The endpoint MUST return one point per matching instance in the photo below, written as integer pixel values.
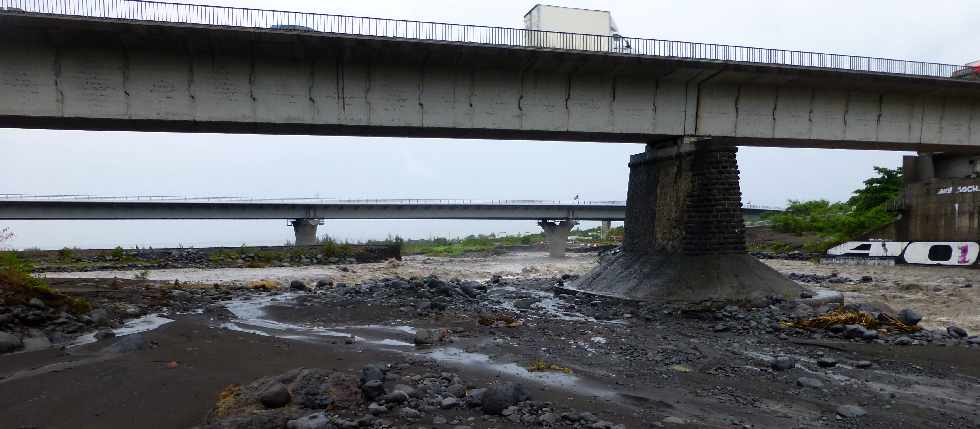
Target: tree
(865, 211)
(878, 190)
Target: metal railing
(320, 200)
(291, 200)
(276, 20)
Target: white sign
(966, 189)
(891, 249)
(942, 253)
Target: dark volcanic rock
(782, 363)
(275, 396)
(500, 396)
(909, 316)
(956, 332)
(9, 342)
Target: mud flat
(437, 342)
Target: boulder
(313, 421)
(430, 336)
(909, 316)
(275, 396)
(956, 332)
(500, 396)
(298, 285)
(99, 317)
(9, 342)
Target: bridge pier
(305, 230)
(604, 228)
(556, 235)
(685, 238)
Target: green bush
(834, 223)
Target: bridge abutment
(556, 235)
(305, 230)
(685, 237)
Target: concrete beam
(73, 74)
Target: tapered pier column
(305, 230)
(685, 238)
(556, 235)
(604, 228)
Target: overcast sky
(118, 163)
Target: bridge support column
(604, 228)
(305, 230)
(556, 235)
(685, 238)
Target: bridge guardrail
(277, 20)
(292, 200)
(321, 200)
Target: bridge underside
(63, 73)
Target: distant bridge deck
(80, 207)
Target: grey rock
(37, 340)
(407, 390)
(457, 390)
(397, 397)
(429, 336)
(870, 334)
(313, 421)
(500, 396)
(373, 389)
(826, 362)
(809, 382)
(525, 303)
(409, 413)
(474, 398)
(439, 420)
(956, 332)
(548, 418)
(298, 285)
(126, 344)
(37, 303)
(851, 411)
(863, 364)
(275, 396)
(372, 373)
(903, 341)
(909, 316)
(103, 334)
(323, 283)
(9, 342)
(782, 363)
(449, 402)
(376, 409)
(219, 312)
(99, 317)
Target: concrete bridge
(555, 217)
(144, 66)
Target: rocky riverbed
(482, 342)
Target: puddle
(134, 326)
(250, 317)
(570, 382)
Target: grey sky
(274, 166)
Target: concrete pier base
(305, 230)
(604, 228)
(556, 235)
(685, 238)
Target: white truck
(571, 28)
